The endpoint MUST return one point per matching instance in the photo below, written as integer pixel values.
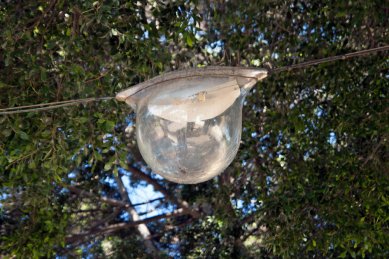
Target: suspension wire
(50, 106)
(55, 105)
(329, 59)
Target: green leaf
(6, 132)
(189, 39)
(43, 74)
(23, 135)
(107, 166)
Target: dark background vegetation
(311, 175)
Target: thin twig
(119, 226)
(109, 201)
(371, 156)
(147, 202)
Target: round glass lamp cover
(189, 123)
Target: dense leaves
(310, 178)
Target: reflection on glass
(191, 134)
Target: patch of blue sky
(64, 191)
(145, 169)
(305, 93)
(162, 39)
(114, 196)
(143, 194)
(145, 35)
(245, 207)
(322, 32)
(124, 216)
(4, 196)
(72, 174)
(239, 203)
(319, 112)
(332, 139)
(215, 47)
(190, 20)
(263, 148)
(279, 137)
(309, 153)
(279, 154)
(218, 43)
(174, 250)
(244, 163)
(106, 137)
(304, 31)
(86, 166)
(266, 42)
(269, 181)
(85, 251)
(109, 180)
(264, 137)
(130, 119)
(199, 34)
(233, 28)
(275, 55)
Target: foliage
(310, 178)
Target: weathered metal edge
(255, 73)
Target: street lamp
(189, 122)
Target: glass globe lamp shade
(189, 123)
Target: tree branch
(374, 151)
(112, 202)
(115, 227)
(141, 227)
(106, 219)
(170, 228)
(147, 202)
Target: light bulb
(189, 123)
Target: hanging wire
(330, 59)
(50, 106)
(54, 105)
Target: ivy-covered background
(311, 175)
